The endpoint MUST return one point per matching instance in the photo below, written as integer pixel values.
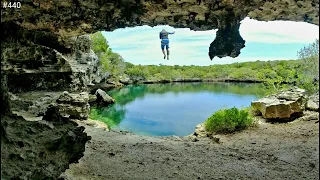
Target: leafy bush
(229, 120)
(99, 43)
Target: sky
(273, 40)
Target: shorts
(164, 43)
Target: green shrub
(99, 43)
(229, 120)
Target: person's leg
(168, 52)
(162, 48)
(164, 54)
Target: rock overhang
(58, 20)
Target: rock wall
(5, 103)
(33, 65)
(39, 149)
(33, 61)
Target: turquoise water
(172, 109)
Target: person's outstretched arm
(171, 32)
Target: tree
(99, 43)
(309, 78)
(310, 55)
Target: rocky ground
(266, 151)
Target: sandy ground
(268, 151)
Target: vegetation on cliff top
(275, 74)
(110, 61)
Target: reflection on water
(172, 109)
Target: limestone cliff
(33, 61)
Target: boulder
(200, 131)
(103, 97)
(72, 105)
(73, 98)
(92, 98)
(282, 105)
(313, 102)
(74, 112)
(125, 80)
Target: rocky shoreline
(129, 81)
(266, 151)
(117, 146)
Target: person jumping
(164, 36)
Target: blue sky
(273, 40)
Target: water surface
(172, 109)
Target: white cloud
(278, 31)
(141, 45)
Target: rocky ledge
(286, 104)
(42, 136)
